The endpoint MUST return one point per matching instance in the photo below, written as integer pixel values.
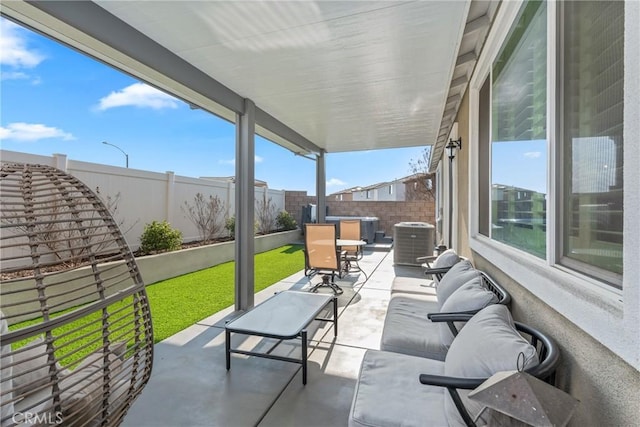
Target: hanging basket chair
(76, 336)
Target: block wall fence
(389, 213)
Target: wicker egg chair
(76, 336)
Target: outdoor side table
(284, 316)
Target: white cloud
(32, 132)
(532, 154)
(138, 95)
(257, 159)
(13, 75)
(335, 182)
(13, 47)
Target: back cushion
(471, 296)
(446, 259)
(488, 343)
(83, 387)
(458, 275)
(31, 369)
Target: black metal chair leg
(329, 282)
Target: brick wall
(388, 213)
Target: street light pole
(126, 156)
(451, 152)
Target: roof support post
(321, 188)
(245, 207)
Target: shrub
(265, 214)
(205, 215)
(285, 221)
(230, 225)
(160, 237)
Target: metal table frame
(298, 330)
(348, 242)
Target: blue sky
(520, 164)
(55, 100)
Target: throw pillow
(471, 296)
(446, 259)
(458, 275)
(488, 343)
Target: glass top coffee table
(285, 316)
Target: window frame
(599, 274)
(596, 307)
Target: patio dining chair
(350, 230)
(322, 256)
(75, 325)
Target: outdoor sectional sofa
(439, 341)
(409, 327)
(395, 389)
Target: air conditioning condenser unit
(412, 240)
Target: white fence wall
(146, 196)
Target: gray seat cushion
(389, 393)
(407, 329)
(412, 285)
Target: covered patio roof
(324, 76)
(315, 77)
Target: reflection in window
(593, 62)
(519, 134)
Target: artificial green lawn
(180, 302)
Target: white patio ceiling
(331, 75)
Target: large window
(519, 134)
(592, 117)
(582, 153)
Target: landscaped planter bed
(153, 268)
(171, 264)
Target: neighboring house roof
(258, 182)
(346, 191)
(415, 177)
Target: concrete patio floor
(190, 386)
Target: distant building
(344, 195)
(413, 187)
(419, 186)
(382, 191)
